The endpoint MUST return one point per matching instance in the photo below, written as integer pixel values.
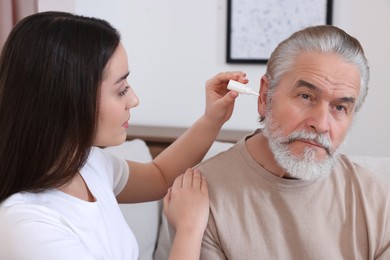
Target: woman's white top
(55, 225)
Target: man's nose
(319, 118)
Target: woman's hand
(186, 204)
(220, 100)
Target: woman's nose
(132, 100)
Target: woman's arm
(150, 181)
(187, 209)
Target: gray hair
(322, 38)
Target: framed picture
(255, 27)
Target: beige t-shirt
(257, 215)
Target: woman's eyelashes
(123, 92)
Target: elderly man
(284, 191)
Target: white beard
(307, 167)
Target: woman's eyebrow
(122, 78)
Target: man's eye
(341, 108)
(305, 96)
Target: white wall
(175, 46)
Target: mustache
(320, 139)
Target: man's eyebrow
(350, 100)
(122, 78)
(303, 83)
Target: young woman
(63, 94)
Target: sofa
(146, 219)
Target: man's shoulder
(366, 172)
(379, 165)
(366, 165)
(221, 158)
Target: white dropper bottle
(241, 88)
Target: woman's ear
(262, 100)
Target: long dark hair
(51, 68)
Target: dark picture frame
(255, 27)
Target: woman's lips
(126, 124)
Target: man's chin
(317, 158)
(306, 168)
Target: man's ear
(262, 100)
